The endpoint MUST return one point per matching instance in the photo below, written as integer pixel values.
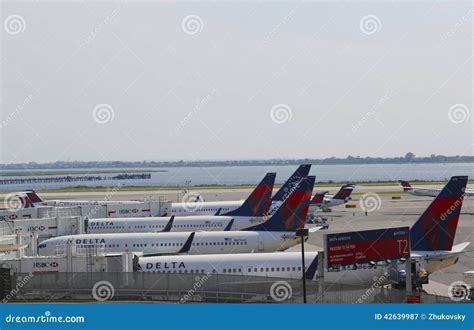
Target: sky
(87, 80)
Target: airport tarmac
(391, 213)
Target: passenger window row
(235, 270)
(156, 226)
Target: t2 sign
(343, 249)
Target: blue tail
(258, 203)
(291, 215)
(436, 227)
(290, 184)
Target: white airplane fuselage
(204, 208)
(179, 224)
(433, 192)
(217, 242)
(211, 208)
(327, 203)
(423, 192)
(285, 265)
(72, 203)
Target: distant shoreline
(241, 186)
(157, 165)
(76, 171)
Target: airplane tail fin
(345, 192)
(436, 227)
(290, 184)
(24, 201)
(33, 197)
(405, 185)
(318, 198)
(291, 215)
(258, 203)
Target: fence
(198, 287)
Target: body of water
(230, 175)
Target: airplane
(430, 192)
(285, 265)
(29, 198)
(32, 200)
(432, 236)
(252, 210)
(20, 201)
(287, 188)
(200, 207)
(275, 234)
(431, 239)
(320, 201)
(164, 224)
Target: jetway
(147, 208)
(71, 261)
(28, 213)
(43, 228)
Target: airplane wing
(168, 226)
(314, 229)
(187, 245)
(460, 247)
(455, 251)
(229, 226)
(293, 235)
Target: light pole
(302, 233)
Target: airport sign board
(362, 247)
